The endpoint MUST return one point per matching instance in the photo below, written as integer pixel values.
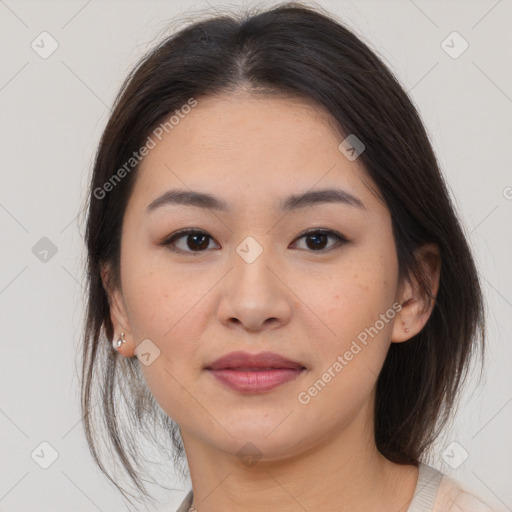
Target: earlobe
(417, 301)
(411, 319)
(123, 339)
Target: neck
(342, 468)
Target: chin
(264, 442)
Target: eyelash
(169, 241)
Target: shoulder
(452, 497)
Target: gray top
(423, 499)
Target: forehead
(249, 147)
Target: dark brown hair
(300, 51)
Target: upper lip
(241, 359)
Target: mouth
(254, 373)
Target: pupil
(198, 246)
(317, 245)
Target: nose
(254, 295)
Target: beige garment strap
(424, 496)
(186, 503)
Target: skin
(305, 304)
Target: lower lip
(256, 380)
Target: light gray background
(52, 113)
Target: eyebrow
(291, 203)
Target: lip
(245, 360)
(254, 373)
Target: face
(315, 282)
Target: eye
(316, 239)
(195, 241)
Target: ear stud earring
(119, 342)
(405, 328)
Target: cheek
(158, 300)
(172, 309)
(167, 311)
(356, 306)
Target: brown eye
(316, 240)
(194, 241)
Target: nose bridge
(252, 261)
(253, 293)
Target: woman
(273, 254)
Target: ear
(416, 305)
(118, 313)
